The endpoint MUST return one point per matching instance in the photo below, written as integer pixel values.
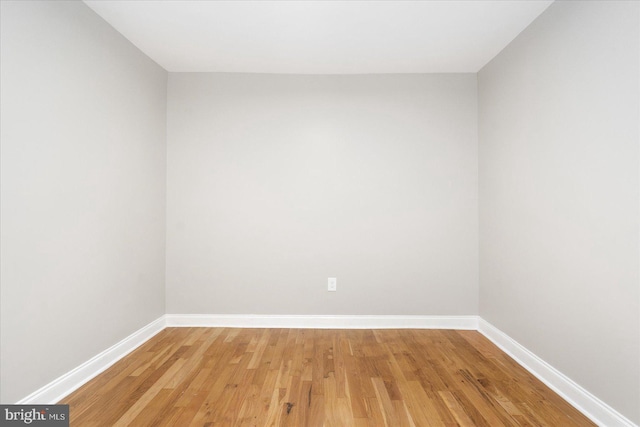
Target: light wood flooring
(310, 377)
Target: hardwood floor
(310, 377)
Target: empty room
(320, 213)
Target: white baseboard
(598, 411)
(62, 386)
(323, 322)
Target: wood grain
(308, 377)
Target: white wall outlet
(332, 283)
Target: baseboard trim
(64, 385)
(594, 408)
(322, 322)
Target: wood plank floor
(309, 377)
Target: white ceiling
(320, 37)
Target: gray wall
(276, 182)
(559, 194)
(83, 190)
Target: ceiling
(320, 37)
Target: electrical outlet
(332, 284)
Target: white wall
(559, 194)
(83, 190)
(276, 182)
